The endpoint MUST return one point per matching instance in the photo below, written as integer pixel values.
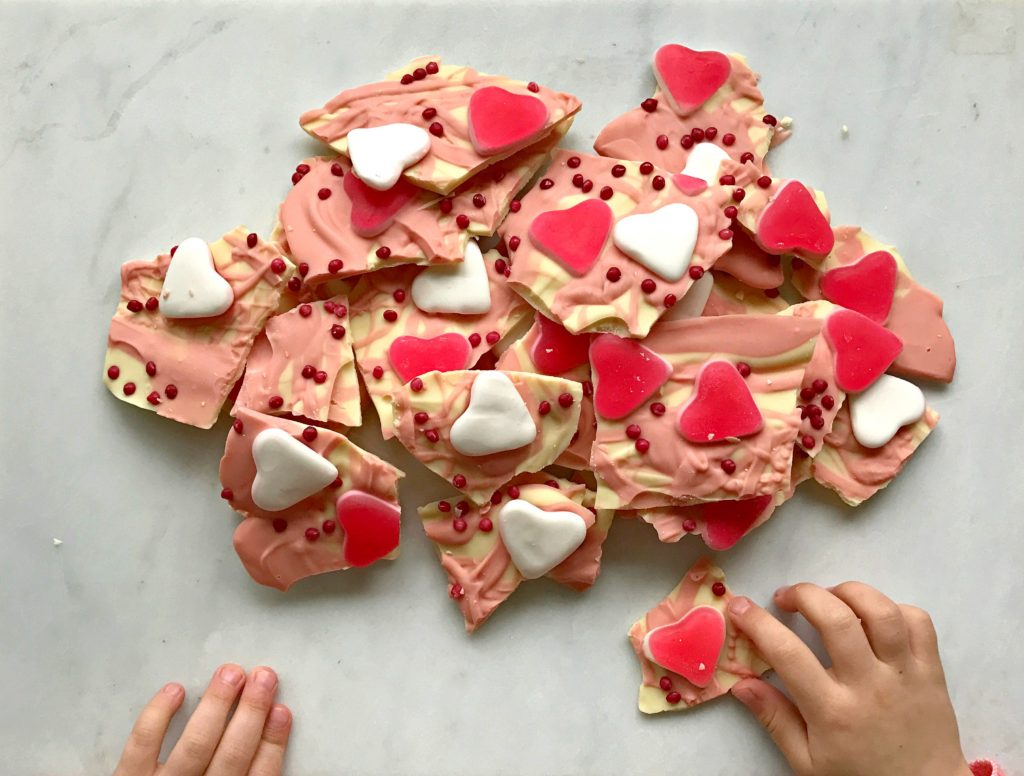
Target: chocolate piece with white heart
(496, 420)
(460, 289)
(663, 240)
(538, 539)
(192, 286)
(878, 412)
(380, 154)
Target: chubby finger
(805, 677)
(238, 744)
(269, 759)
(195, 748)
(840, 628)
(921, 636)
(142, 751)
(880, 617)
(779, 717)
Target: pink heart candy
(500, 120)
(722, 406)
(867, 286)
(575, 236)
(412, 356)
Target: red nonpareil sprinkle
(276, 402)
(819, 385)
(686, 142)
(665, 683)
(727, 180)
(764, 181)
(710, 133)
(431, 435)
(588, 388)
(337, 170)
(587, 186)
(496, 498)
(459, 525)
(807, 394)
(646, 168)
(746, 156)
(544, 407)
(238, 426)
(329, 526)
(302, 169)
(462, 220)
(658, 183)
(618, 170)
(416, 385)
(577, 180)
(771, 293)
(805, 412)
(642, 445)
(743, 368)
(493, 337)
(515, 205)
(383, 252)
(513, 243)
(662, 142)
(305, 310)
(250, 239)
(171, 391)
(296, 177)
(650, 105)
(552, 484)
(770, 120)
(444, 506)
(613, 274)
(128, 389)
(462, 507)
(134, 306)
(500, 266)
(312, 534)
(689, 525)
(378, 372)
(718, 589)
(150, 369)
(436, 129)
(459, 481)
(474, 339)
(486, 525)
(573, 161)
(309, 433)
(730, 211)
(113, 372)
(828, 402)
(152, 304)
(697, 134)
(294, 283)
(606, 192)
(456, 591)
(398, 295)
(728, 465)
(308, 371)
(633, 431)
(738, 195)
(337, 331)
(648, 286)
(227, 494)
(445, 205)
(277, 266)
(657, 409)
(419, 73)
(807, 441)
(565, 400)
(390, 316)
(725, 234)
(479, 200)
(432, 68)
(280, 524)
(324, 193)
(674, 697)
(728, 139)
(533, 86)
(817, 422)
(153, 398)
(334, 266)
(303, 268)
(513, 491)
(695, 272)
(406, 79)
(336, 484)
(421, 418)
(429, 113)
(546, 183)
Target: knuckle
(195, 749)
(235, 756)
(145, 735)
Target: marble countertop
(128, 126)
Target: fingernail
(739, 604)
(279, 716)
(231, 674)
(173, 688)
(265, 678)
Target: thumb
(779, 717)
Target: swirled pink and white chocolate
(410, 320)
(689, 653)
(537, 526)
(478, 429)
(437, 125)
(302, 364)
(186, 322)
(706, 108)
(603, 245)
(312, 500)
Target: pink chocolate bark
(184, 368)
(746, 262)
(474, 119)
(302, 364)
(656, 132)
(348, 523)
(730, 296)
(662, 689)
(564, 257)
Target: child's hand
(251, 743)
(882, 707)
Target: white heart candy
(192, 286)
(694, 300)
(538, 540)
(461, 288)
(495, 420)
(286, 470)
(877, 413)
(703, 162)
(379, 154)
(662, 241)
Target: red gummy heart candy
(690, 77)
(373, 211)
(500, 120)
(626, 374)
(371, 527)
(863, 349)
(792, 223)
(728, 521)
(867, 285)
(556, 351)
(411, 356)
(575, 236)
(691, 646)
(721, 407)
(689, 185)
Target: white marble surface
(127, 127)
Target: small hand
(882, 707)
(249, 742)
